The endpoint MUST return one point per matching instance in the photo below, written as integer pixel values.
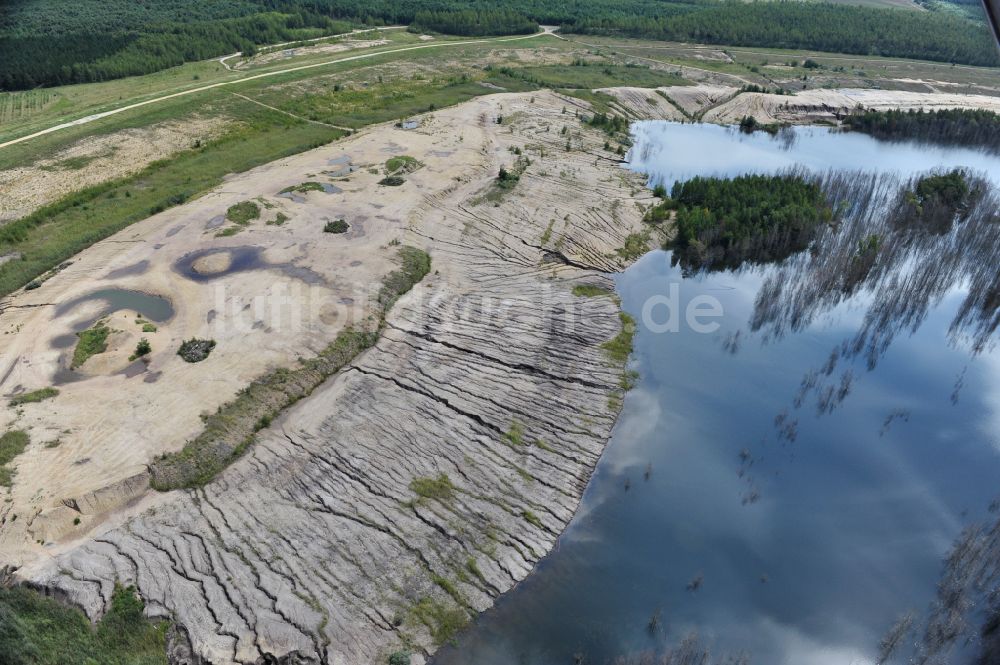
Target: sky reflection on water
(815, 510)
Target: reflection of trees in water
(899, 256)
(967, 607)
(690, 651)
(903, 261)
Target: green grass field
(58, 231)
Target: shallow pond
(786, 486)
(153, 307)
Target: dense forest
(974, 128)
(474, 23)
(63, 53)
(724, 222)
(810, 25)
(52, 42)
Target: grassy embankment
(36, 630)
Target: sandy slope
(309, 546)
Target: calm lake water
(786, 487)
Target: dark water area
(153, 307)
(149, 306)
(240, 259)
(784, 488)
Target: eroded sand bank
(314, 546)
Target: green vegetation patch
(589, 75)
(609, 122)
(443, 620)
(947, 189)
(310, 186)
(230, 430)
(279, 220)
(37, 630)
(414, 266)
(591, 291)
(12, 444)
(636, 244)
(619, 347)
(506, 180)
(749, 125)
(142, 349)
(722, 223)
(91, 342)
(532, 518)
(515, 435)
(938, 199)
(392, 181)
(243, 213)
(34, 396)
(439, 489)
(195, 350)
(399, 658)
(336, 226)
(402, 165)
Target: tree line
(49, 42)
(813, 25)
(43, 60)
(474, 23)
(975, 128)
(724, 222)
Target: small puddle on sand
(146, 305)
(215, 222)
(128, 271)
(205, 265)
(153, 307)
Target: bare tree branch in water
(906, 255)
(894, 638)
(968, 595)
(689, 652)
